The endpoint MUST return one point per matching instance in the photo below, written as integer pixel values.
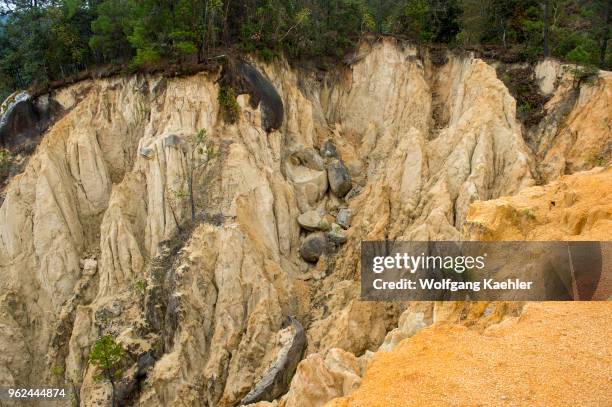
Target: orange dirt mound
(555, 354)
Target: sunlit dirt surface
(555, 354)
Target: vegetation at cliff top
(42, 41)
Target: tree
(416, 20)
(175, 198)
(200, 155)
(108, 30)
(108, 356)
(474, 21)
(45, 40)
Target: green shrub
(268, 55)
(525, 107)
(6, 160)
(579, 55)
(528, 213)
(140, 286)
(228, 103)
(597, 160)
(57, 371)
(584, 74)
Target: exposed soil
(555, 354)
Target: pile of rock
(314, 174)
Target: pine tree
(107, 356)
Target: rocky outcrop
(23, 118)
(262, 92)
(409, 324)
(116, 179)
(276, 379)
(306, 170)
(319, 379)
(575, 132)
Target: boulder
(344, 217)
(19, 120)
(306, 170)
(172, 140)
(313, 247)
(336, 235)
(409, 324)
(353, 193)
(321, 377)
(264, 93)
(312, 220)
(146, 152)
(307, 157)
(328, 150)
(277, 377)
(339, 178)
(89, 266)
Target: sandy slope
(555, 354)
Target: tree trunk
(112, 382)
(379, 18)
(76, 390)
(605, 35)
(191, 198)
(225, 24)
(546, 27)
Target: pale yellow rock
(264, 404)
(319, 379)
(576, 133)
(410, 323)
(547, 73)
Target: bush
(228, 103)
(597, 160)
(268, 55)
(107, 356)
(140, 286)
(522, 86)
(528, 213)
(6, 160)
(584, 74)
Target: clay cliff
(224, 255)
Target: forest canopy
(49, 40)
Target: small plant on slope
(107, 356)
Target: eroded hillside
(506, 364)
(97, 235)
